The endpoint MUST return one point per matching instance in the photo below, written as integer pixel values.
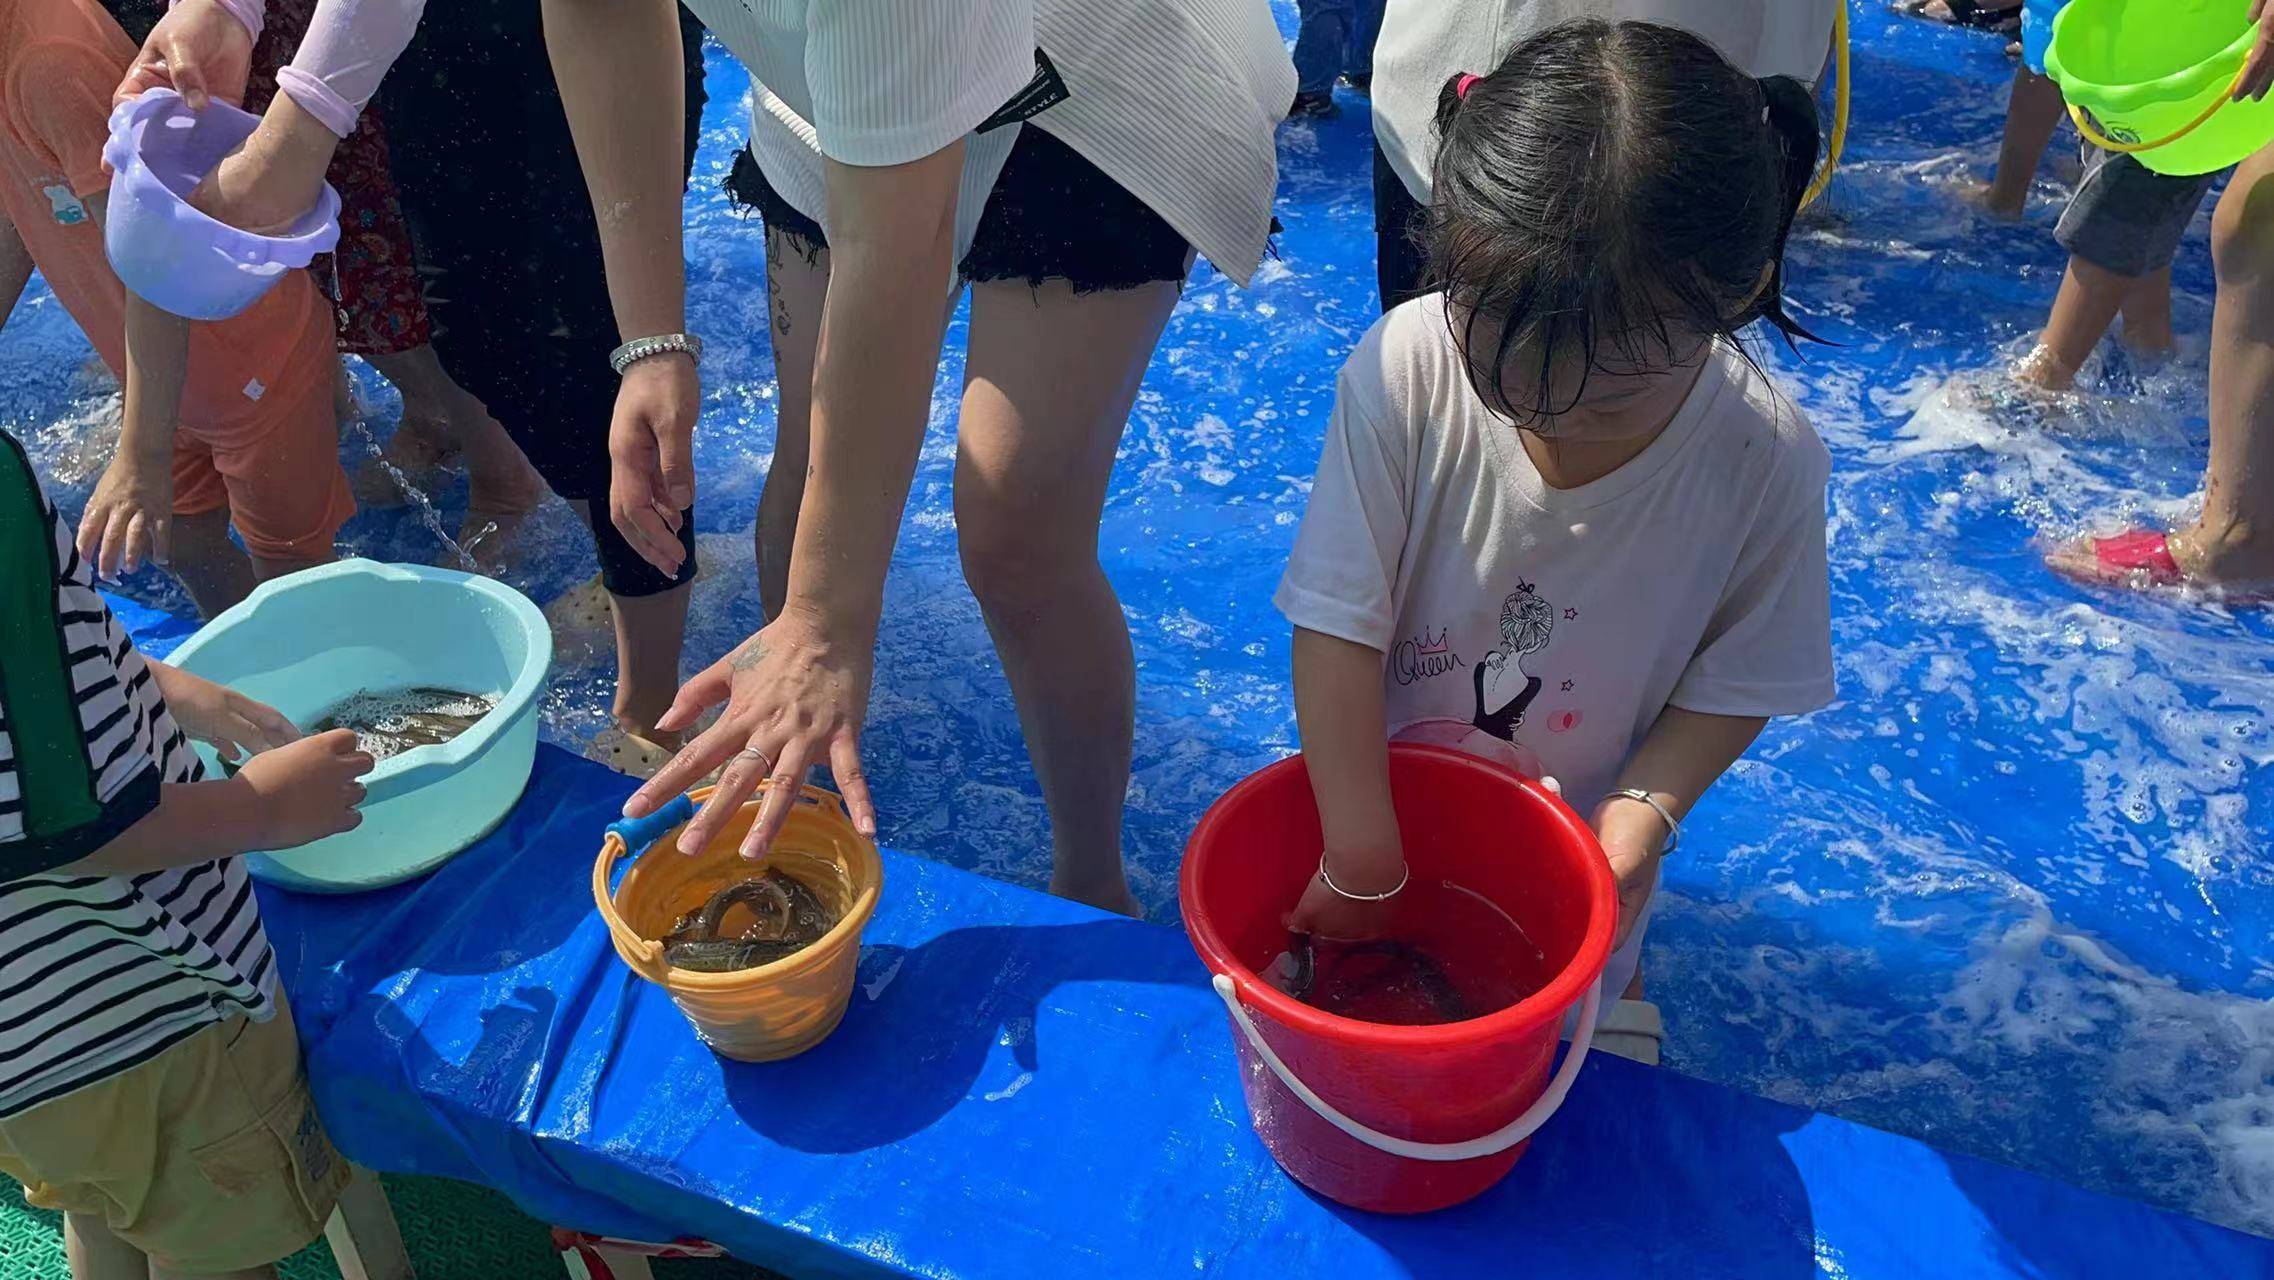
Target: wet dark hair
(1612, 187)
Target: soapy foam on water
(2009, 894)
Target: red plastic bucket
(1388, 1118)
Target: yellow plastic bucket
(773, 1011)
(2157, 77)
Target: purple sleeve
(348, 49)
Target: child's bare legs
(2233, 540)
(95, 1254)
(2091, 298)
(2033, 112)
(214, 570)
(158, 1272)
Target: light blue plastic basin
(304, 642)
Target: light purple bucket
(168, 252)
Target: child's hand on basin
(231, 723)
(306, 790)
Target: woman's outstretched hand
(795, 698)
(651, 461)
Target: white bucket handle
(1491, 1144)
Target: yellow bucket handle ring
(1840, 110)
(2095, 137)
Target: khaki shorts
(208, 1157)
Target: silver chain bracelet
(663, 344)
(1673, 824)
(1341, 892)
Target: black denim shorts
(1052, 216)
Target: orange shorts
(276, 471)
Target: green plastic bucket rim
(2183, 85)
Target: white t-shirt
(1564, 620)
(1424, 43)
(1176, 100)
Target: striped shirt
(1176, 100)
(98, 973)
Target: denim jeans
(1337, 37)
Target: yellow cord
(2096, 138)
(1839, 109)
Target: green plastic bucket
(2156, 76)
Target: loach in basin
(308, 642)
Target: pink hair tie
(1462, 86)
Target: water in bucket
(388, 724)
(1448, 955)
(746, 923)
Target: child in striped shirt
(150, 1080)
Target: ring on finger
(752, 753)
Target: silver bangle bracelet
(638, 349)
(1673, 824)
(1340, 892)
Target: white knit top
(1176, 100)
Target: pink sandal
(2141, 560)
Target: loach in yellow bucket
(2157, 77)
(776, 1010)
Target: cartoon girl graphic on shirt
(1505, 690)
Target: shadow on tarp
(1599, 1194)
(897, 1065)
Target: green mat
(453, 1232)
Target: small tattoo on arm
(751, 654)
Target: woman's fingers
(709, 687)
(188, 74)
(697, 758)
(789, 772)
(749, 767)
(735, 786)
(852, 784)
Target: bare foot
(1993, 202)
(2041, 370)
(496, 508)
(1115, 897)
(2231, 560)
(417, 451)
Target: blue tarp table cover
(1026, 1087)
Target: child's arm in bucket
(1344, 722)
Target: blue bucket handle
(638, 833)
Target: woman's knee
(2242, 229)
(1020, 561)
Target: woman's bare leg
(649, 633)
(1050, 382)
(2233, 541)
(796, 282)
